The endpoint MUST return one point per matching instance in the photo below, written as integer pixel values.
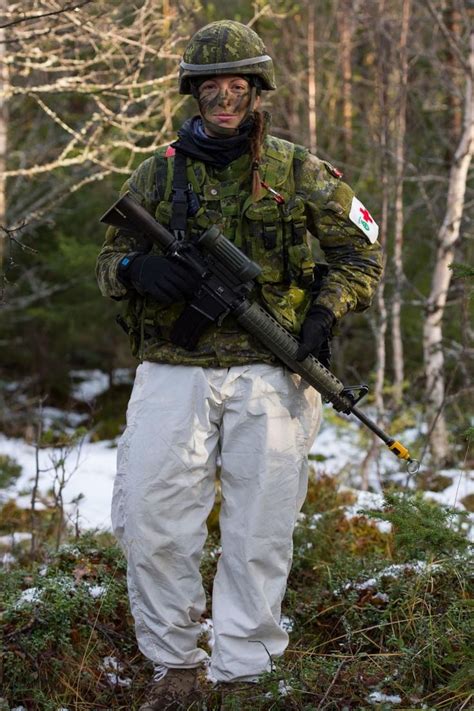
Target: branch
(448, 36)
(46, 14)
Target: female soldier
(228, 397)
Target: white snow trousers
(262, 421)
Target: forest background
(382, 89)
(379, 602)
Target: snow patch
(383, 526)
(392, 571)
(207, 629)
(93, 477)
(286, 623)
(112, 668)
(283, 690)
(29, 596)
(364, 500)
(8, 559)
(12, 539)
(377, 697)
(92, 383)
(96, 591)
(338, 443)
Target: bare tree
(382, 49)
(400, 130)
(3, 144)
(312, 113)
(449, 234)
(345, 24)
(92, 80)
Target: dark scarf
(217, 152)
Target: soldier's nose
(224, 97)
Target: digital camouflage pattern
(274, 235)
(216, 46)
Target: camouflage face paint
(224, 102)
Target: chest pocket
(263, 224)
(297, 243)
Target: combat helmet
(225, 47)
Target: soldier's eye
(208, 87)
(239, 88)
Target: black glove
(162, 278)
(315, 334)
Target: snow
(283, 690)
(377, 697)
(12, 539)
(93, 478)
(96, 591)
(34, 595)
(392, 571)
(207, 629)
(30, 595)
(286, 623)
(8, 559)
(112, 668)
(383, 526)
(462, 484)
(89, 384)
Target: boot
(174, 691)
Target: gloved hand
(316, 333)
(163, 279)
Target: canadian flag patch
(361, 217)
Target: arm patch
(362, 218)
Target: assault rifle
(226, 280)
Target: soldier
(229, 397)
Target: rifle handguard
(263, 326)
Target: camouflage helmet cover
(225, 47)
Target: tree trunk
(447, 237)
(397, 343)
(312, 116)
(3, 149)
(380, 330)
(453, 24)
(345, 34)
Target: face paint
(224, 102)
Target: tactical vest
(271, 231)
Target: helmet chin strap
(224, 132)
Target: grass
(381, 618)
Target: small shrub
(371, 616)
(10, 470)
(422, 528)
(61, 620)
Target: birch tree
(346, 29)
(3, 146)
(449, 234)
(312, 110)
(400, 130)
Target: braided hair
(257, 136)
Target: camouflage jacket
(276, 231)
